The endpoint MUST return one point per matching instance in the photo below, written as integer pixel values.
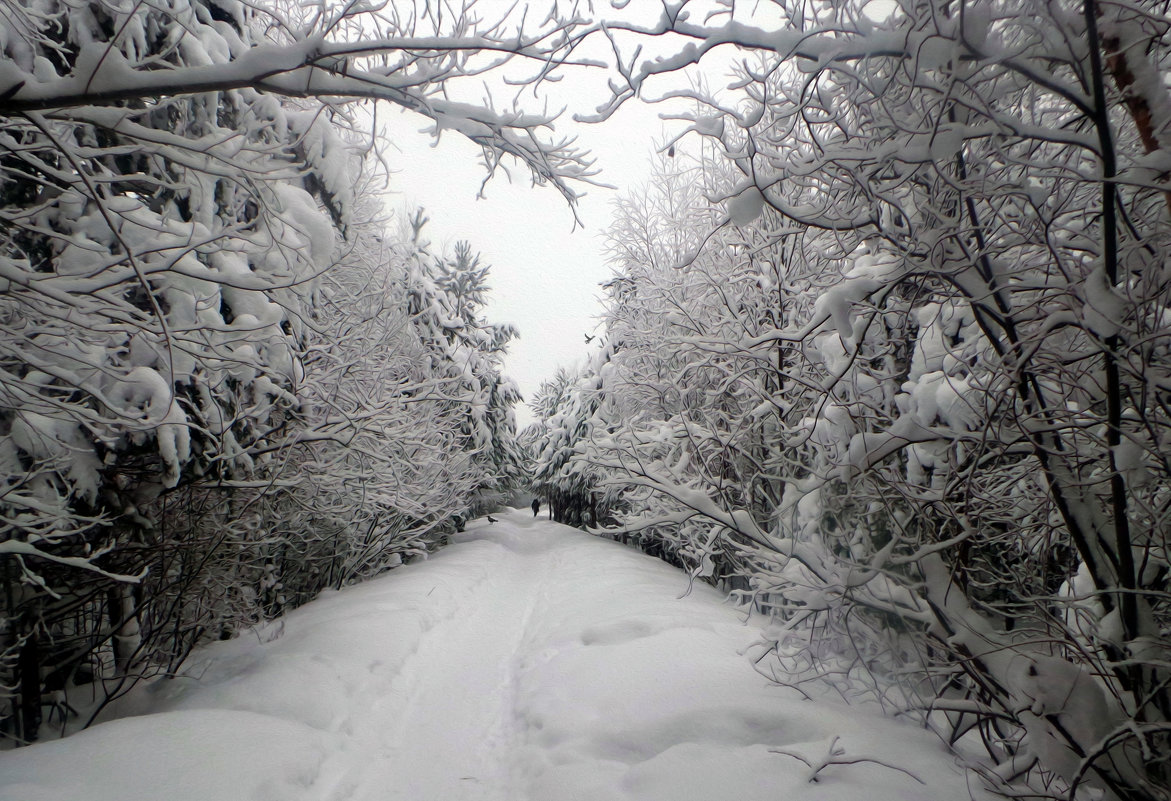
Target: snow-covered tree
(173, 188)
(568, 408)
(965, 432)
(444, 298)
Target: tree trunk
(28, 671)
(124, 619)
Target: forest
(885, 354)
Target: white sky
(545, 274)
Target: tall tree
(969, 424)
(445, 297)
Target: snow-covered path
(464, 672)
(526, 661)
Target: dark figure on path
(536, 506)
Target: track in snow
(525, 662)
(449, 728)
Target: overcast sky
(545, 274)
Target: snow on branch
(26, 549)
(407, 70)
(836, 755)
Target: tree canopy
(887, 357)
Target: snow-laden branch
(814, 47)
(28, 549)
(313, 67)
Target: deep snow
(526, 661)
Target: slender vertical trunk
(124, 620)
(28, 670)
(1126, 579)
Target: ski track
(467, 670)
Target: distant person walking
(536, 506)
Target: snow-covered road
(526, 661)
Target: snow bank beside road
(526, 661)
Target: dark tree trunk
(28, 671)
